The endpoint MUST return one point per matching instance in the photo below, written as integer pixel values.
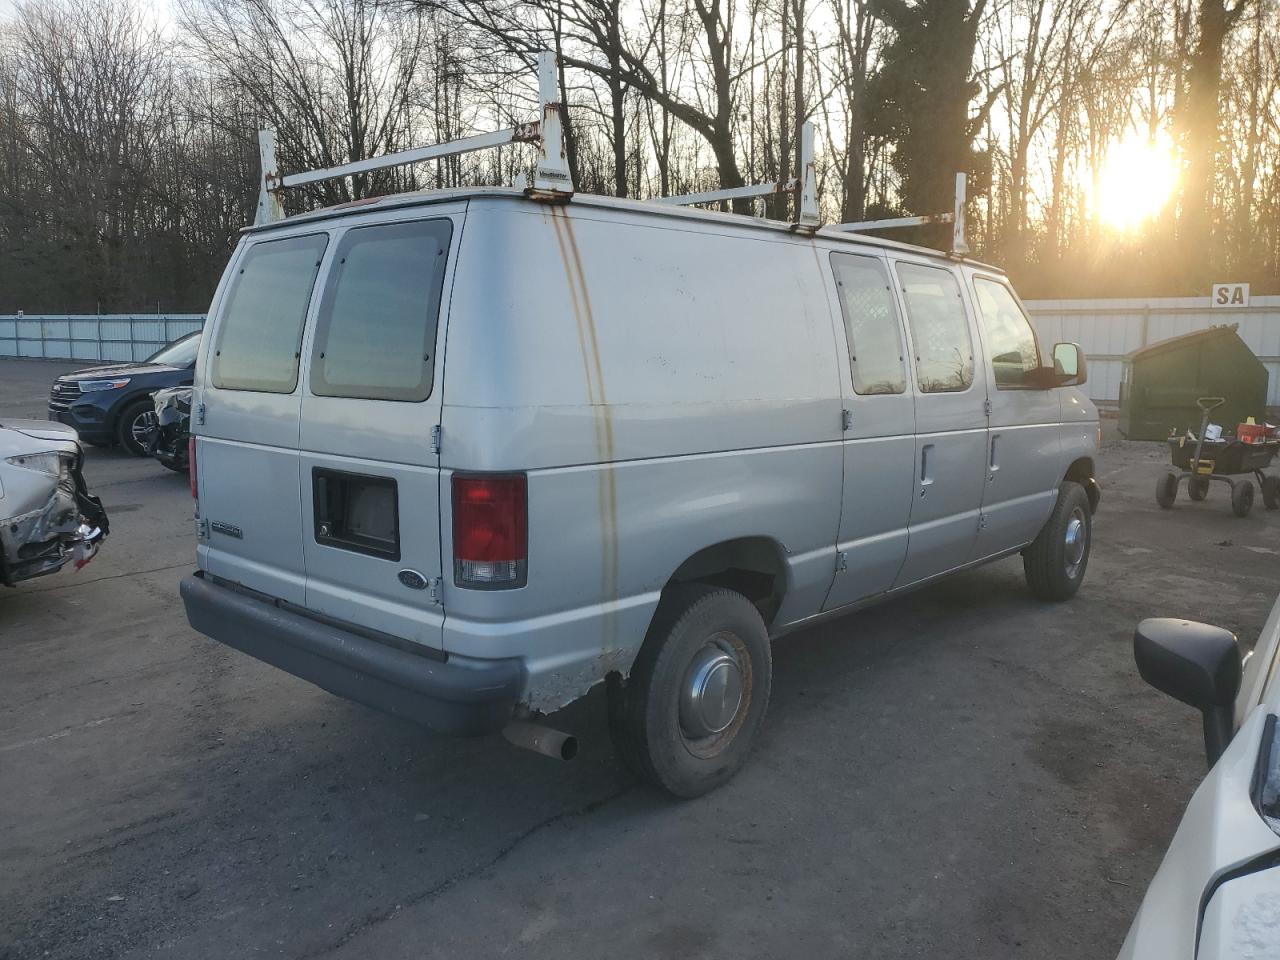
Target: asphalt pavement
(964, 772)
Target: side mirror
(1069, 364)
(1196, 664)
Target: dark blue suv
(112, 404)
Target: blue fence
(93, 336)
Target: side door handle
(926, 481)
(992, 466)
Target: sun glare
(1137, 181)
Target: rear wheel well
(751, 566)
(1081, 471)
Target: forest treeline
(128, 149)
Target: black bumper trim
(445, 697)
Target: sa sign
(1229, 295)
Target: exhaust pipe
(550, 743)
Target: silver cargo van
(462, 456)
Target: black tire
(1271, 493)
(693, 623)
(1242, 498)
(1198, 488)
(1167, 490)
(1054, 565)
(131, 418)
(176, 467)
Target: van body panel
(1080, 431)
(604, 540)
(600, 335)
(667, 381)
(649, 421)
(524, 438)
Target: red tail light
(191, 468)
(490, 531)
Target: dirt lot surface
(964, 772)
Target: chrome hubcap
(712, 692)
(1076, 540)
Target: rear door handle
(992, 464)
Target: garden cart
(1234, 462)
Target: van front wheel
(1055, 562)
(686, 717)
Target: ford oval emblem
(412, 579)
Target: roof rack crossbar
(551, 179)
(955, 218)
(730, 193)
(804, 187)
(525, 133)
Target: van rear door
(371, 402)
(248, 444)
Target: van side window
(939, 328)
(376, 333)
(871, 320)
(260, 333)
(1010, 338)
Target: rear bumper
(456, 696)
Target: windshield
(180, 353)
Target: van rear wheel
(686, 717)
(1055, 562)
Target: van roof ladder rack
(807, 216)
(551, 178)
(956, 218)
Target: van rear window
(260, 332)
(376, 334)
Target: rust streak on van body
(593, 370)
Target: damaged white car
(47, 517)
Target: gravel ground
(963, 772)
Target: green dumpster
(1160, 384)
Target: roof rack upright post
(270, 209)
(807, 214)
(959, 246)
(551, 177)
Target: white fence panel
(111, 337)
(1110, 329)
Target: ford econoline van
(462, 456)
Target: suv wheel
(687, 716)
(1055, 562)
(135, 425)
